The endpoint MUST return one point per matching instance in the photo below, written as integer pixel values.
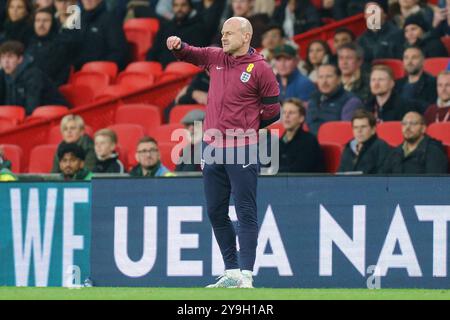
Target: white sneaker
(246, 280)
(230, 279)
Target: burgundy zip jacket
(243, 91)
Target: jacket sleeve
(116, 43)
(269, 91)
(383, 151)
(202, 57)
(349, 108)
(436, 160)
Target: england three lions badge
(245, 77)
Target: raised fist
(173, 43)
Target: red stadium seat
(50, 111)
(14, 154)
(146, 115)
(167, 77)
(395, 64)
(179, 111)
(332, 153)
(440, 131)
(15, 113)
(277, 126)
(77, 95)
(165, 151)
(107, 67)
(163, 133)
(317, 3)
(6, 124)
(148, 67)
(180, 67)
(339, 132)
(128, 136)
(55, 137)
(97, 81)
(446, 41)
(141, 32)
(41, 158)
(113, 92)
(391, 132)
(435, 66)
(135, 79)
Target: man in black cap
(376, 42)
(416, 32)
(71, 162)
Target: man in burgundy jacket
(242, 98)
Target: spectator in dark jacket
(296, 16)
(101, 36)
(403, 9)
(366, 152)
(47, 50)
(187, 24)
(18, 25)
(385, 103)
(377, 43)
(299, 150)
(354, 78)
(440, 110)
(331, 102)
(194, 93)
(417, 85)
(105, 141)
(441, 20)
(22, 84)
(417, 32)
(419, 153)
(72, 130)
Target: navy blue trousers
(239, 180)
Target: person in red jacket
(242, 98)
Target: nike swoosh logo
(245, 166)
(219, 68)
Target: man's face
(272, 39)
(17, 10)
(9, 62)
(89, 5)
(147, 154)
(44, 3)
(443, 87)
(327, 79)
(348, 62)
(407, 3)
(233, 39)
(412, 61)
(241, 8)
(71, 132)
(412, 127)
(42, 24)
(181, 9)
(70, 164)
(380, 83)
(291, 117)
(104, 147)
(340, 39)
(413, 33)
(362, 131)
(285, 65)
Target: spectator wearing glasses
(419, 153)
(149, 160)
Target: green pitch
(13, 293)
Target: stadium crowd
(42, 42)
